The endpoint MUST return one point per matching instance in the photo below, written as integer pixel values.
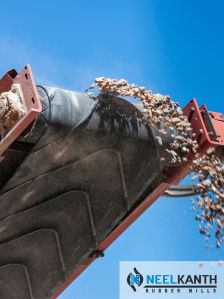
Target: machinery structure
(75, 173)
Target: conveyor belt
(77, 182)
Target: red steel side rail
(209, 132)
(31, 103)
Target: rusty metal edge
(33, 106)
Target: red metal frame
(200, 124)
(217, 120)
(203, 136)
(32, 103)
(204, 130)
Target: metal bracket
(32, 103)
(207, 126)
(97, 254)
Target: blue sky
(173, 47)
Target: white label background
(172, 268)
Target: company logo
(140, 280)
(179, 281)
(135, 279)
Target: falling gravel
(209, 206)
(161, 112)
